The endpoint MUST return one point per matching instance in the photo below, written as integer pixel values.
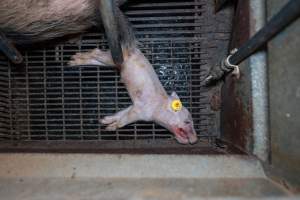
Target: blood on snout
(181, 132)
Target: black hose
(289, 13)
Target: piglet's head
(177, 119)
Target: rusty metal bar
(112, 147)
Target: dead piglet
(150, 100)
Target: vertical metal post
(259, 88)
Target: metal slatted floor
(48, 100)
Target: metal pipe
(9, 50)
(110, 23)
(259, 85)
(286, 15)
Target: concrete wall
(284, 100)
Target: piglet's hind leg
(94, 57)
(120, 119)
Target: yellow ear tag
(176, 105)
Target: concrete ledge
(128, 166)
(139, 189)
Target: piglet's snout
(186, 135)
(192, 136)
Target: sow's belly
(27, 21)
(42, 31)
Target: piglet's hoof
(94, 57)
(111, 122)
(78, 59)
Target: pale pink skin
(150, 100)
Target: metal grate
(47, 100)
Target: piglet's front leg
(121, 118)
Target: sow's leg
(108, 11)
(9, 49)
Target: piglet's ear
(174, 95)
